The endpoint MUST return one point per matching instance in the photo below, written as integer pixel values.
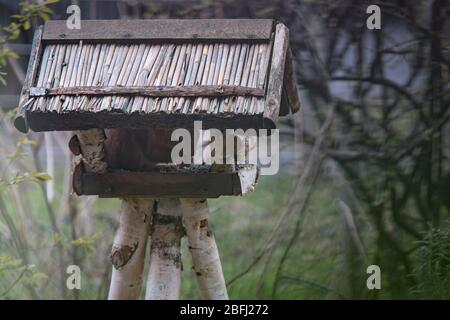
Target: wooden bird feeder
(137, 80)
(123, 87)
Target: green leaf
(34, 278)
(15, 34)
(44, 16)
(8, 263)
(42, 176)
(87, 243)
(26, 25)
(25, 141)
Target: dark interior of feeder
(148, 148)
(137, 150)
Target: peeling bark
(92, 150)
(128, 251)
(164, 278)
(248, 172)
(248, 175)
(120, 255)
(203, 249)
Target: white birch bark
(128, 251)
(50, 157)
(90, 144)
(164, 277)
(203, 249)
(248, 172)
(247, 176)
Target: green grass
(316, 267)
(241, 225)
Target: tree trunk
(128, 251)
(164, 278)
(50, 167)
(203, 248)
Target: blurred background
(364, 171)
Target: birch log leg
(50, 159)
(128, 251)
(164, 278)
(203, 249)
(247, 155)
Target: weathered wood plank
(276, 73)
(93, 150)
(284, 106)
(73, 120)
(155, 184)
(290, 83)
(151, 91)
(20, 121)
(171, 29)
(74, 145)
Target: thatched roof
(108, 65)
(100, 77)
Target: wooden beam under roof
(151, 91)
(74, 120)
(173, 29)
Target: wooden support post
(203, 248)
(92, 150)
(248, 172)
(20, 121)
(164, 277)
(276, 73)
(128, 251)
